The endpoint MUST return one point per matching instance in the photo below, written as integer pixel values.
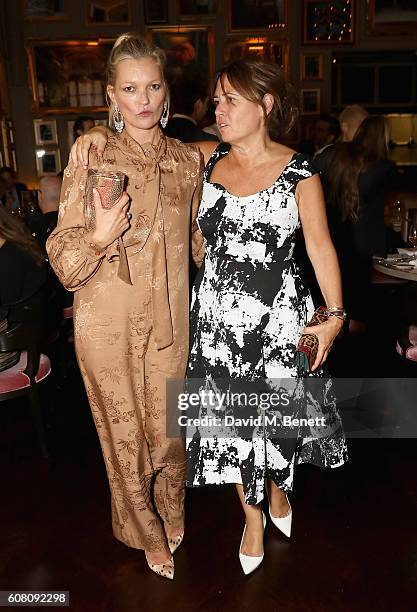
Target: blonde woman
(131, 314)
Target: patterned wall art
(329, 21)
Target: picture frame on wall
(329, 22)
(108, 12)
(45, 131)
(257, 15)
(156, 11)
(189, 50)
(68, 75)
(311, 67)
(195, 9)
(310, 101)
(258, 48)
(392, 17)
(45, 10)
(70, 129)
(48, 162)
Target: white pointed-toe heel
(173, 543)
(166, 570)
(249, 564)
(283, 523)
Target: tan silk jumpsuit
(131, 338)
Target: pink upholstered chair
(407, 347)
(27, 373)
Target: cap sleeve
(299, 169)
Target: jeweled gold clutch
(110, 187)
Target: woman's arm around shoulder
(207, 147)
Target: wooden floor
(353, 547)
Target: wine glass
(412, 236)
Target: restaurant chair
(24, 332)
(23, 378)
(407, 343)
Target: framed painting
(195, 9)
(311, 66)
(310, 101)
(189, 50)
(259, 48)
(156, 11)
(68, 75)
(48, 162)
(45, 10)
(257, 15)
(70, 129)
(329, 22)
(108, 12)
(392, 16)
(45, 132)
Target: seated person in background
(22, 273)
(49, 193)
(359, 182)
(82, 124)
(11, 189)
(325, 132)
(189, 99)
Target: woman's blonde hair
(132, 46)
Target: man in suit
(48, 199)
(325, 132)
(189, 101)
(11, 189)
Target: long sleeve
(197, 240)
(70, 254)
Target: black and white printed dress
(249, 306)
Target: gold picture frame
(67, 76)
(401, 25)
(34, 14)
(311, 66)
(258, 47)
(89, 22)
(187, 48)
(48, 162)
(254, 17)
(310, 101)
(337, 30)
(45, 132)
(185, 14)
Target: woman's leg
(277, 500)
(252, 545)
(167, 453)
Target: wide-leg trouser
(127, 395)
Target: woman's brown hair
(253, 79)
(368, 147)
(14, 231)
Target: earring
(118, 120)
(165, 114)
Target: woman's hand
(97, 136)
(326, 333)
(111, 223)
